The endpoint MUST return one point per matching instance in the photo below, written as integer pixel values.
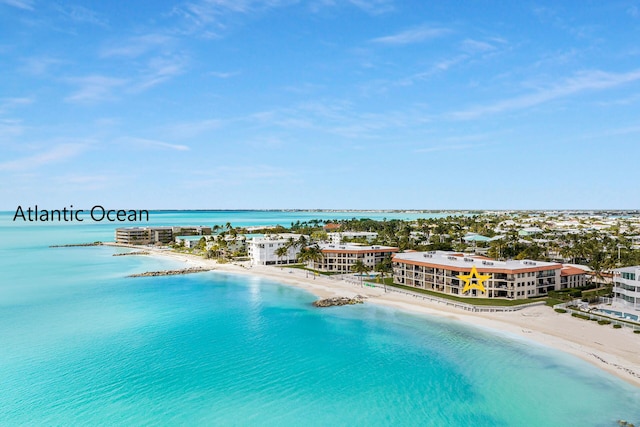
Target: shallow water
(83, 344)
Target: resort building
(340, 258)
(144, 235)
(188, 241)
(262, 250)
(153, 235)
(440, 271)
(626, 286)
(330, 227)
(232, 244)
(340, 237)
(572, 277)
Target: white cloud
(39, 65)
(10, 128)
(209, 17)
(158, 71)
(10, 103)
(137, 46)
(437, 68)
(20, 4)
(94, 88)
(56, 154)
(583, 81)
(150, 143)
(224, 75)
(413, 35)
(81, 15)
(191, 129)
(374, 7)
(475, 46)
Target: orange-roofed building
(331, 227)
(446, 272)
(572, 277)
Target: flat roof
(633, 269)
(349, 248)
(457, 261)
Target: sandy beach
(616, 351)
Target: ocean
(82, 344)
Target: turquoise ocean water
(81, 344)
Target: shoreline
(616, 351)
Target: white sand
(616, 351)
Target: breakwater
(190, 270)
(330, 302)
(73, 245)
(131, 253)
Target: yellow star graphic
(473, 280)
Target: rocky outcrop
(170, 272)
(330, 302)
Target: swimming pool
(620, 314)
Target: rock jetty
(73, 245)
(171, 272)
(330, 302)
(131, 253)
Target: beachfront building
(340, 258)
(188, 241)
(228, 244)
(573, 277)
(340, 237)
(144, 235)
(155, 235)
(262, 250)
(439, 271)
(626, 286)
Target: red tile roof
(571, 271)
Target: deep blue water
(81, 344)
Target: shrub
(616, 326)
(604, 322)
(637, 331)
(580, 316)
(562, 310)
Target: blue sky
(352, 104)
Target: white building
(340, 258)
(262, 250)
(340, 236)
(626, 286)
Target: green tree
(385, 267)
(281, 252)
(360, 268)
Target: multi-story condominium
(626, 286)
(149, 235)
(440, 271)
(340, 258)
(572, 277)
(338, 237)
(144, 235)
(199, 230)
(262, 250)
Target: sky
(331, 104)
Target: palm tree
(386, 266)
(360, 267)
(281, 252)
(311, 254)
